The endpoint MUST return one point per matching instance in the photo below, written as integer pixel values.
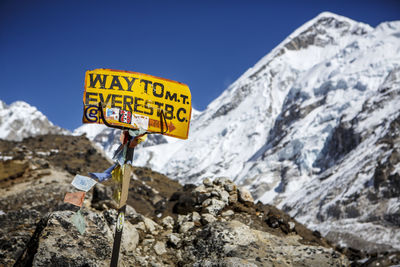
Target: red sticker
(125, 116)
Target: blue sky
(46, 46)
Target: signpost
(134, 101)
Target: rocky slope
(20, 120)
(216, 223)
(312, 128)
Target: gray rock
(61, 243)
(207, 218)
(230, 187)
(245, 195)
(207, 182)
(222, 181)
(174, 239)
(214, 206)
(227, 213)
(151, 226)
(250, 247)
(182, 219)
(168, 222)
(185, 227)
(159, 248)
(196, 216)
(232, 199)
(224, 196)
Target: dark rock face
(315, 34)
(341, 141)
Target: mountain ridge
(19, 120)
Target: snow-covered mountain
(20, 120)
(313, 127)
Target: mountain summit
(20, 120)
(313, 127)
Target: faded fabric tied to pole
(83, 183)
(103, 176)
(79, 222)
(75, 198)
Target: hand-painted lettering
(114, 101)
(184, 98)
(104, 103)
(88, 100)
(146, 83)
(128, 100)
(148, 107)
(159, 106)
(137, 105)
(98, 79)
(173, 97)
(144, 95)
(169, 112)
(115, 83)
(178, 114)
(161, 93)
(129, 82)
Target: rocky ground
(167, 224)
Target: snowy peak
(306, 128)
(20, 120)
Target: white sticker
(112, 114)
(140, 122)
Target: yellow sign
(137, 101)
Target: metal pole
(118, 236)
(126, 176)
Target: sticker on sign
(135, 100)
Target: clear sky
(46, 46)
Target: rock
(130, 238)
(230, 187)
(182, 219)
(207, 182)
(224, 196)
(222, 181)
(207, 218)
(60, 234)
(214, 206)
(168, 222)
(151, 226)
(140, 226)
(235, 244)
(233, 199)
(174, 239)
(185, 227)
(159, 248)
(196, 217)
(227, 213)
(245, 195)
